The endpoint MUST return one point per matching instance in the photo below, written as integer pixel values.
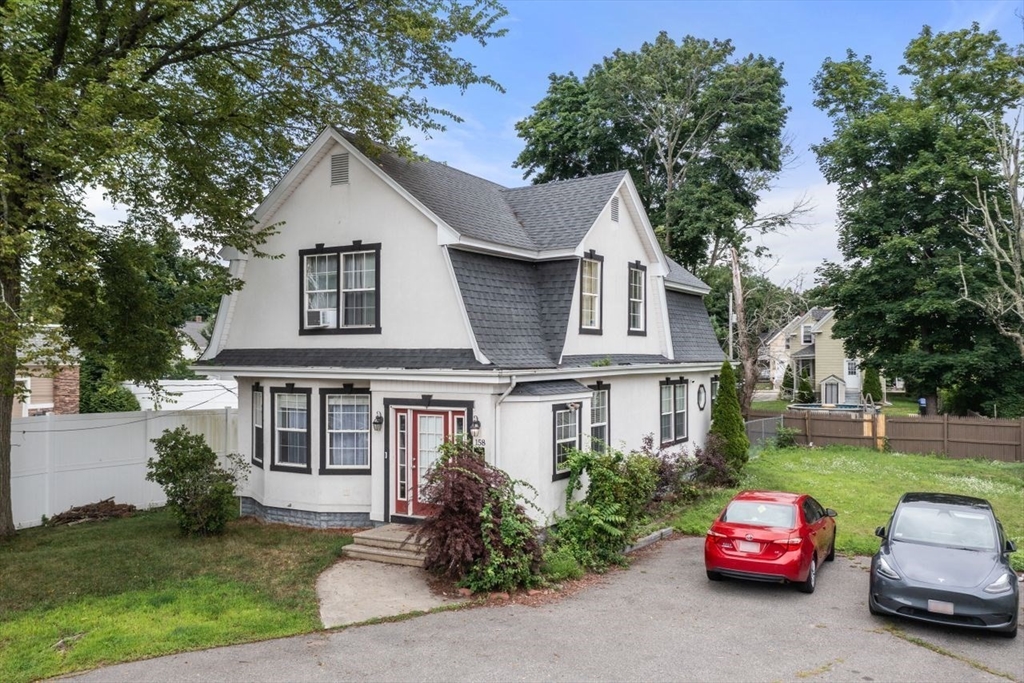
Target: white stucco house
(413, 302)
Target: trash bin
(922, 406)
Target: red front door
(418, 438)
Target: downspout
(497, 419)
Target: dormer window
(340, 289)
(591, 273)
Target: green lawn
(899, 405)
(863, 486)
(73, 598)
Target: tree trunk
(748, 356)
(10, 287)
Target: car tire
(808, 585)
(832, 548)
(871, 607)
(714, 576)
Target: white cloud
(105, 211)
(797, 252)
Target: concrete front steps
(391, 543)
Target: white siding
(418, 304)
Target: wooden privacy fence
(948, 435)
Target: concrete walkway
(355, 591)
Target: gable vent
(339, 169)
(615, 209)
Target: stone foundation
(316, 520)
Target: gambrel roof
(515, 256)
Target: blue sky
(546, 36)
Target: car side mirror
(829, 512)
(880, 531)
(1011, 547)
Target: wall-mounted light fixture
(573, 406)
(474, 427)
(378, 422)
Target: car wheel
(831, 549)
(871, 607)
(812, 578)
(714, 576)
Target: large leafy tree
(700, 131)
(904, 164)
(184, 112)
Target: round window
(702, 397)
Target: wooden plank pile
(92, 512)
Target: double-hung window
(599, 418)
(341, 289)
(291, 429)
(806, 336)
(637, 299)
(345, 442)
(591, 272)
(257, 426)
(567, 436)
(673, 411)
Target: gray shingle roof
(413, 359)
(693, 339)
(557, 215)
(519, 311)
(558, 387)
(598, 360)
(681, 276)
(806, 352)
(554, 215)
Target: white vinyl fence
(59, 461)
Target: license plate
(940, 607)
(748, 547)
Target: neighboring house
(193, 343)
(413, 302)
(811, 347)
(51, 386)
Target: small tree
(787, 382)
(200, 493)
(727, 421)
(805, 394)
(872, 385)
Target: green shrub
(480, 533)
(560, 565)
(806, 391)
(787, 383)
(200, 493)
(727, 421)
(597, 528)
(872, 385)
(785, 437)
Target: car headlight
(1000, 585)
(885, 570)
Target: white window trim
(639, 303)
(257, 424)
(594, 297)
(595, 443)
(571, 442)
(278, 429)
(675, 388)
(343, 292)
(806, 336)
(363, 399)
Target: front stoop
(391, 543)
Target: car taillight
(715, 534)
(792, 541)
(720, 539)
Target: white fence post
(48, 464)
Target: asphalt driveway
(659, 621)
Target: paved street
(659, 621)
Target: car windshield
(944, 525)
(760, 513)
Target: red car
(771, 536)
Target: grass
(863, 486)
(900, 406)
(73, 598)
